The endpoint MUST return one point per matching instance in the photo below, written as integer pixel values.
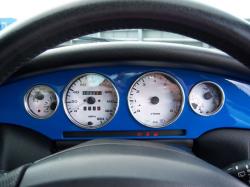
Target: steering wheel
(123, 163)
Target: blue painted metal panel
(234, 114)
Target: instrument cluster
(155, 100)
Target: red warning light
(139, 134)
(156, 134)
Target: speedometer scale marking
(91, 101)
(155, 99)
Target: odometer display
(155, 99)
(90, 101)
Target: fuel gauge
(206, 98)
(41, 102)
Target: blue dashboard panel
(234, 114)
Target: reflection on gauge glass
(90, 101)
(206, 98)
(41, 101)
(156, 99)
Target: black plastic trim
(20, 146)
(111, 134)
(223, 147)
(135, 53)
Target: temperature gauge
(41, 102)
(206, 98)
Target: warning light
(156, 134)
(139, 134)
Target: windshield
(12, 11)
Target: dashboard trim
(234, 114)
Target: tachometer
(41, 101)
(206, 98)
(156, 99)
(90, 100)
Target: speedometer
(156, 99)
(90, 100)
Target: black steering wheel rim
(125, 163)
(22, 42)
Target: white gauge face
(155, 99)
(206, 98)
(41, 101)
(90, 101)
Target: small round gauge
(41, 101)
(90, 100)
(156, 99)
(206, 98)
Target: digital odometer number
(155, 99)
(90, 101)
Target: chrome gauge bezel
(221, 103)
(26, 105)
(182, 94)
(65, 106)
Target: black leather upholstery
(22, 42)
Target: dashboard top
(151, 54)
